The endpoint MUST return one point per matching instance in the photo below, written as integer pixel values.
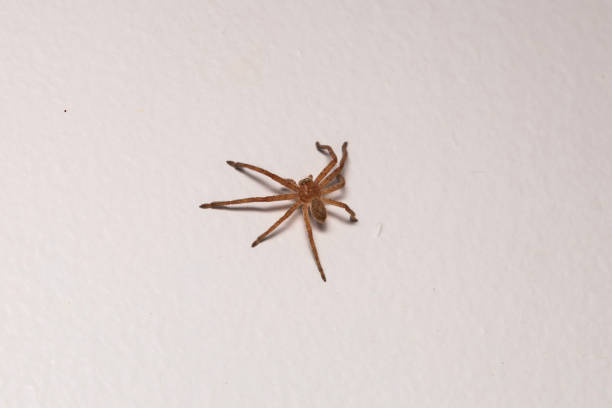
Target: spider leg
(312, 244)
(280, 197)
(330, 165)
(276, 224)
(334, 187)
(338, 169)
(342, 205)
(290, 184)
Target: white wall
(478, 275)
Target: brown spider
(308, 194)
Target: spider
(308, 194)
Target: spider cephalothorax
(308, 193)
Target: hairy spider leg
(279, 197)
(290, 184)
(338, 169)
(276, 224)
(341, 205)
(312, 243)
(334, 187)
(330, 165)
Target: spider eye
(307, 180)
(317, 209)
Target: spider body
(308, 193)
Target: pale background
(479, 274)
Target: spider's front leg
(338, 169)
(290, 184)
(330, 165)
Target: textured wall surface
(479, 273)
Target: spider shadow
(260, 181)
(337, 195)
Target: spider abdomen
(317, 208)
